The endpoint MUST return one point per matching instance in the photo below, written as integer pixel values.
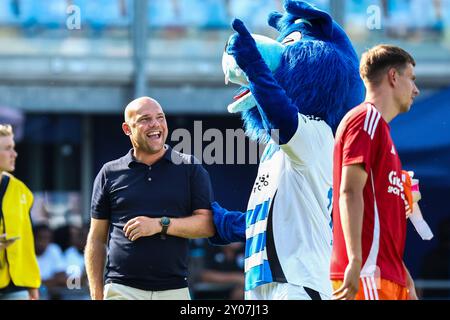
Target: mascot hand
(230, 225)
(242, 46)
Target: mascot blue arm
(275, 107)
(277, 112)
(230, 225)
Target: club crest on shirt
(261, 182)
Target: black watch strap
(164, 222)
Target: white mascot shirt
(294, 183)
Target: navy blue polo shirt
(174, 186)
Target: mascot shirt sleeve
(312, 142)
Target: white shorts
(116, 291)
(283, 291)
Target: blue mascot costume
(294, 93)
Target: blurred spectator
(436, 264)
(61, 237)
(71, 238)
(51, 263)
(74, 254)
(224, 267)
(19, 272)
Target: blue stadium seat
(187, 13)
(48, 13)
(17, 12)
(9, 13)
(100, 14)
(253, 13)
(215, 14)
(165, 14)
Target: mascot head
(313, 60)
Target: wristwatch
(164, 222)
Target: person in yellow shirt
(19, 270)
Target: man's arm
(5, 243)
(95, 256)
(229, 225)
(199, 225)
(33, 293)
(351, 207)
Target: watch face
(165, 221)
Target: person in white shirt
(51, 260)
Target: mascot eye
(292, 38)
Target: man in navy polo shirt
(145, 207)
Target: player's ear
(392, 76)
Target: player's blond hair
(6, 130)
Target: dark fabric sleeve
(100, 205)
(201, 188)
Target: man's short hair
(6, 130)
(376, 61)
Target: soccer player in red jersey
(369, 217)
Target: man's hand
(141, 227)
(350, 285)
(3, 242)
(4, 245)
(97, 295)
(412, 295)
(33, 294)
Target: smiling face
(145, 124)
(8, 154)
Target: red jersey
(364, 137)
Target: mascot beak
(232, 71)
(270, 50)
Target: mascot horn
(294, 93)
